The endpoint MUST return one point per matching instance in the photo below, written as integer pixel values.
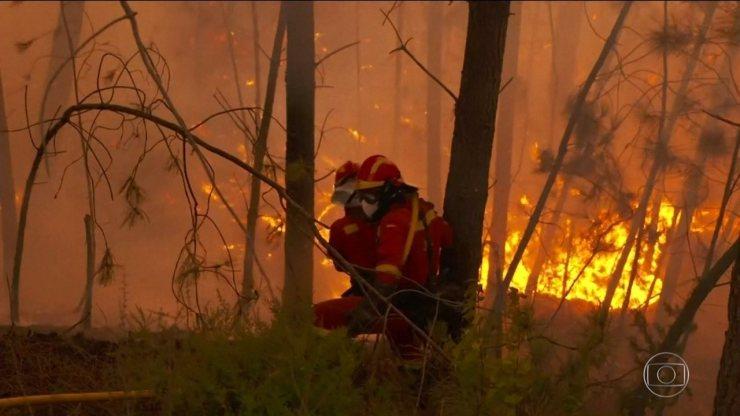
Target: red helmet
(376, 171)
(348, 170)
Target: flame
(250, 83)
(592, 270)
(275, 224)
(207, 189)
(525, 201)
(356, 135)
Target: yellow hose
(74, 397)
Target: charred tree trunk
(558, 162)
(299, 162)
(668, 122)
(504, 145)
(727, 399)
(260, 149)
(8, 216)
(60, 78)
(472, 139)
(397, 91)
(435, 30)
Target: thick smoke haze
(370, 99)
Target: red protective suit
(402, 258)
(396, 253)
(354, 239)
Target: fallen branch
(97, 396)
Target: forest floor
(46, 360)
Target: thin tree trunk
(435, 30)
(397, 90)
(257, 59)
(668, 123)
(8, 217)
(547, 239)
(260, 149)
(504, 143)
(58, 90)
(727, 398)
(558, 163)
(89, 272)
(472, 140)
(299, 162)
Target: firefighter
(352, 235)
(410, 237)
(410, 233)
(354, 239)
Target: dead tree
(727, 398)
(8, 217)
(260, 149)
(472, 140)
(435, 30)
(299, 153)
(578, 106)
(667, 125)
(511, 96)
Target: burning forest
(507, 208)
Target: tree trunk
(472, 140)
(299, 162)
(727, 399)
(59, 83)
(558, 162)
(89, 272)
(504, 143)
(435, 29)
(668, 123)
(8, 216)
(256, 55)
(397, 91)
(260, 148)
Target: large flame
(587, 273)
